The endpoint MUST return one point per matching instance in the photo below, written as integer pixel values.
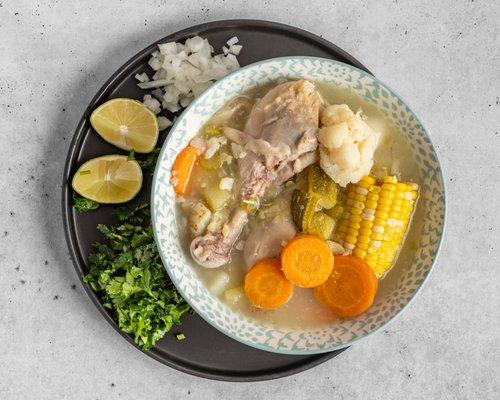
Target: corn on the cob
(375, 220)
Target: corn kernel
(366, 223)
(355, 225)
(384, 201)
(388, 187)
(350, 239)
(352, 232)
(359, 252)
(382, 214)
(370, 258)
(358, 204)
(367, 216)
(356, 218)
(379, 221)
(372, 250)
(390, 179)
(377, 236)
(365, 231)
(362, 245)
(368, 179)
(363, 240)
(356, 211)
(364, 185)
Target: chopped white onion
(151, 103)
(184, 71)
(168, 48)
(171, 94)
(185, 101)
(154, 84)
(164, 123)
(154, 63)
(233, 40)
(172, 107)
(142, 77)
(235, 49)
(195, 44)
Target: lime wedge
(127, 124)
(108, 179)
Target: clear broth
(303, 311)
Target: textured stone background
(443, 57)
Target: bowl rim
(266, 347)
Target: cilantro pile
(128, 275)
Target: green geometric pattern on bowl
(428, 229)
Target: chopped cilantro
(127, 273)
(150, 162)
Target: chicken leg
(279, 140)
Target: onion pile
(183, 71)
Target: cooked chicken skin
(279, 141)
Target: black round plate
(205, 352)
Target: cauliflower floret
(336, 114)
(347, 144)
(332, 136)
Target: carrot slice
(182, 168)
(266, 285)
(350, 289)
(307, 261)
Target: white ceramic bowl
(397, 289)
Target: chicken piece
(279, 140)
(213, 249)
(267, 239)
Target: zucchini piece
(322, 185)
(321, 225)
(336, 211)
(312, 207)
(298, 206)
(303, 207)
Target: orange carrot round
(350, 289)
(307, 261)
(266, 285)
(182, 168)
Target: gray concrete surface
(443, 58)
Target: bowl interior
(400, 285)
